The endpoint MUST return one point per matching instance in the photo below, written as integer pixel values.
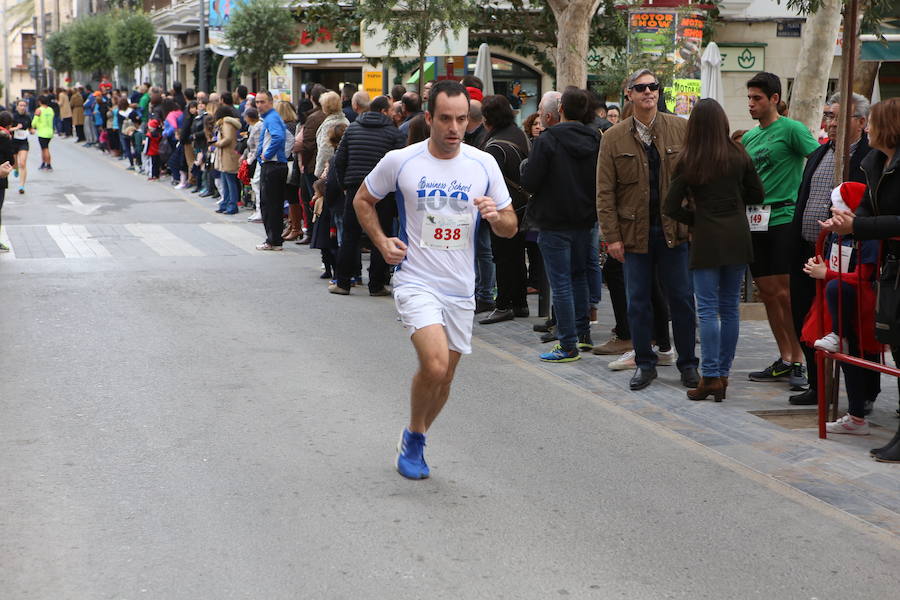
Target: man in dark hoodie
(366, 141)
(561, 174)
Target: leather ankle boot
(294, 228)
(724, 380)
(709, 386)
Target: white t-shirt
(438, 218)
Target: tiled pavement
(837, 471)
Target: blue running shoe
(558, 355)
(411, 455)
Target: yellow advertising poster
(682, 96)
(373, 82)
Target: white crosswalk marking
(76, 241)
(129, 240)
(163, 241)
(235, 235)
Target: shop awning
(429, 73)
(889, 52)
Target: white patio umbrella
(483, 69)
(711, 74)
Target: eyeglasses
(640, 87)
(830, 116)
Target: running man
(43, 122)
(444, 191)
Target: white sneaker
(847, 425)
(255, 217)
(624, 362)
(831, 343)
(180, 186)
(665, 359)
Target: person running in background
(20, 129)
(43, 123)
(7, 157)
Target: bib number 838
(447, 234)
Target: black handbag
(887, 305)
(518, 194)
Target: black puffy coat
(878, 215)
(365, 142)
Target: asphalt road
(184, 417)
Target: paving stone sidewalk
(837, 470)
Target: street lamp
(201, 55)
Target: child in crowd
(154, 137)
(849, 268)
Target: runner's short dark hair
(448, 87)
(768, 83)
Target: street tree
(90, 44)
(416, 23)
(58, 48)
(573, 20)
(817, 50)
(261, 32)
(131, 40)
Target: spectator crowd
(669, 213)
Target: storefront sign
(788, 29)
(743, 58)
(280, 83)
(375, 44)
(373, 83)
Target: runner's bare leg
(431, 383)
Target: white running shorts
(419, 307)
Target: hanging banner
(651, 32)
(676, 37)
(220, 12)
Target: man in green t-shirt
(43, 123)
(779, 147)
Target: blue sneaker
(411, 455)
(558, 355)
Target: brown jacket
(227, 159)
(77, 104)
(310, 148)
(623, 182)
(65, 107)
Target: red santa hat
(847, 196)
(475, 94)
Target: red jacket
(153, 136)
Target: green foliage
(131, 40)
(90, 43)
(261, 31)
(340, 19)
(873, 11)
(415, 23)
(58, 49)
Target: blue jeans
(718, 293)
(595, 274)
(230, 192)
(672, 265)
(566, 259)
(485, 275)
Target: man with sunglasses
(813, 205)
(636, 161)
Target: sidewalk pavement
(837, 470)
